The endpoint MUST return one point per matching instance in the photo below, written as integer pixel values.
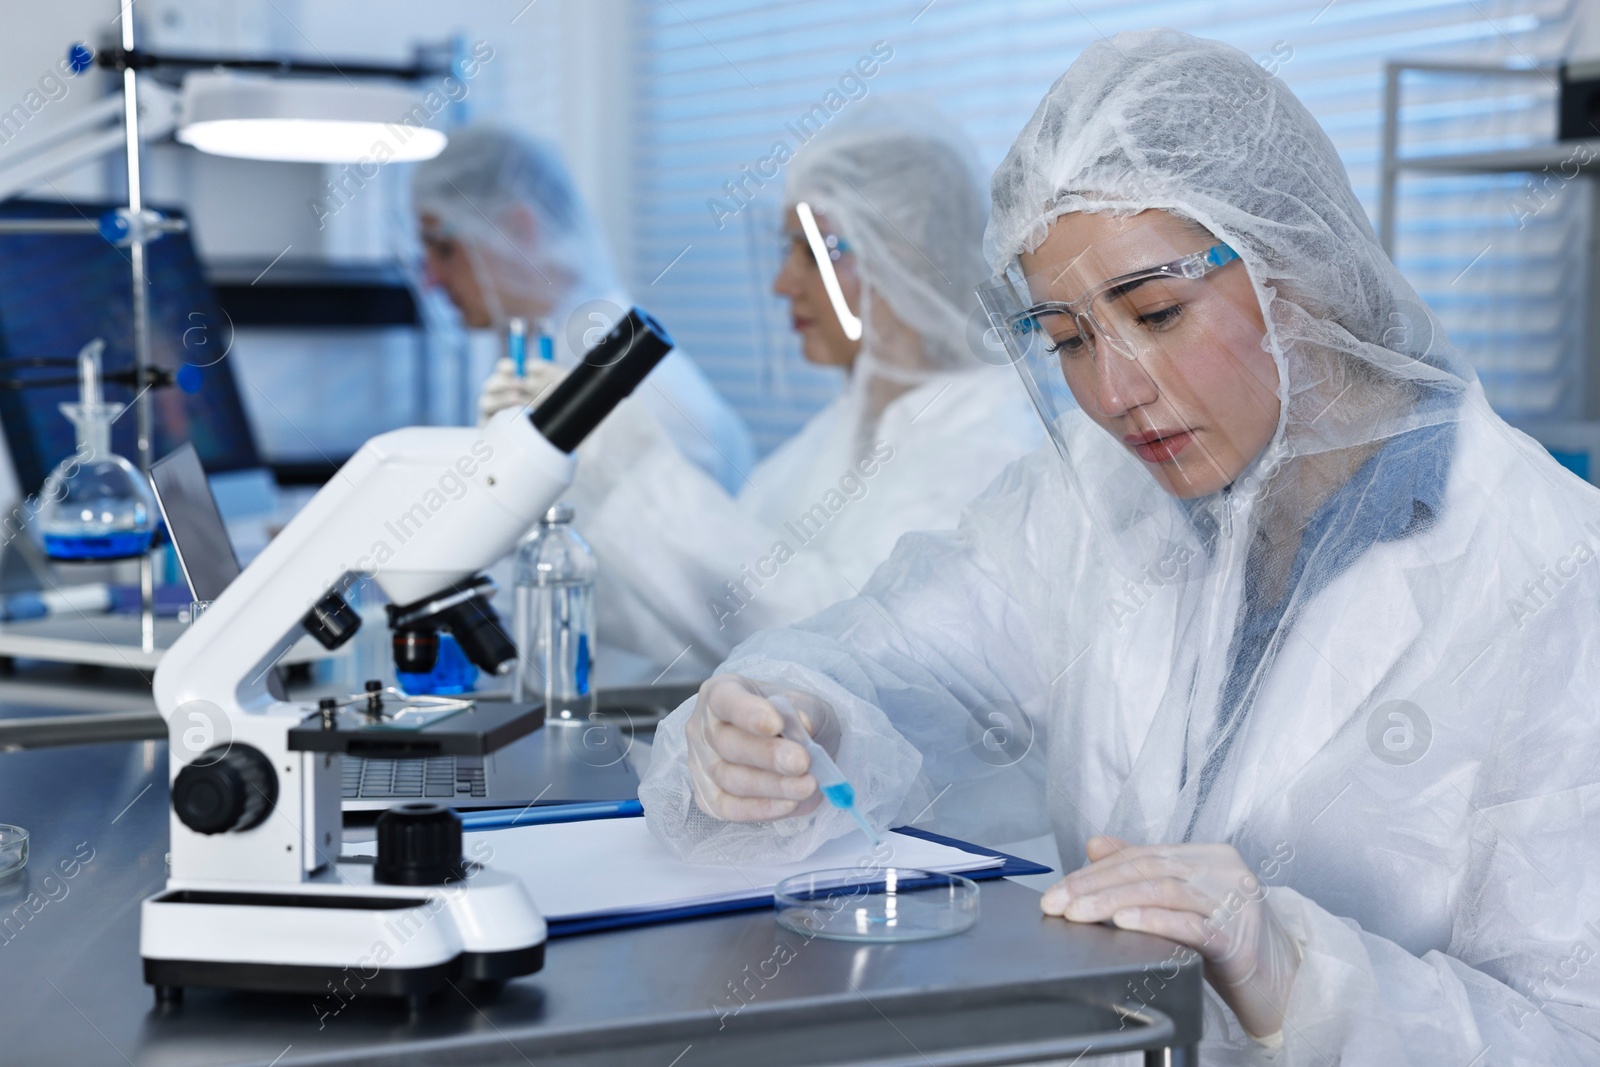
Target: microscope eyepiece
(607, 374)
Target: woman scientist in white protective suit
(886, 210)
(1297, 635)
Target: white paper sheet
(614, 867)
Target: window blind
(719, 82)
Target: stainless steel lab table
(63, 704)
(715, 991)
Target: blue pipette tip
(838, 790)
(866, 827)
(842, 795)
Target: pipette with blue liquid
(834, 785)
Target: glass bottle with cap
(555, 619)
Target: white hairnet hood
(900, 182)
(486, 172)
(1163, 120)
(477, 188)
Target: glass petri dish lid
(13, 849)
(879, 905)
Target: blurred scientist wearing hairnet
(885, 207)
(1294, 637)
(507, 235)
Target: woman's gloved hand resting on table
(742, 769)
(1200, 895)
(504, 389)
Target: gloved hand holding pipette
(756, 756)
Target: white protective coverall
(1413, 722)
(922, 426)
(486, 172)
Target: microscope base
(170, 975)
(340, 938)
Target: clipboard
(1012, 866)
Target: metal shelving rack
(1534, 158)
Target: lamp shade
(305, 120)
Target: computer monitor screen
(60, 291)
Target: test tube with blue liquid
(517, 345)
(830, 779)
(547, 345)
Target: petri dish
(13, 849)
(878, 905)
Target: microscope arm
(417, 510)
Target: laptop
(562, 763)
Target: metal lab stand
(1561, 157)
(141, 227)
(1018, 988)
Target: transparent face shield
(1155, 335)
(826, 250)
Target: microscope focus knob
(418, 844)
(230, 787)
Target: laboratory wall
(554, 69)
(670, 111)
(725, 84)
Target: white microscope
(257, 897)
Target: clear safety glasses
(1126, 314)
(1149, 317)
(826, 250)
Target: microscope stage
(478, 730)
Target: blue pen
(549, 813)
(517, 345)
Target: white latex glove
(503, 389)
(742, 770)
(1202, 896)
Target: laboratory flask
(97, 506)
